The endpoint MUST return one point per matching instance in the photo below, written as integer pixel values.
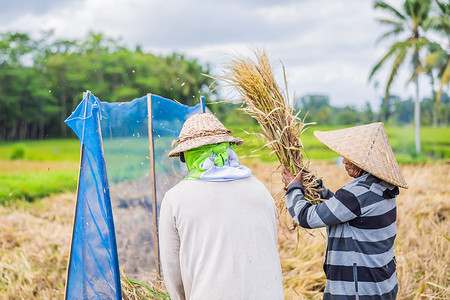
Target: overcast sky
(326, 46)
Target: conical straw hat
(200, 130)
(368, 147)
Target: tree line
(401, 111)
(42, 79)
(317, 108)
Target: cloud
(326, 46)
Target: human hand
(288, 178)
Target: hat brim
(382, 163)
(203, 141)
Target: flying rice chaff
(265, 102)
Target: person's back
(227, 240)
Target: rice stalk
(263, 100)
(136, 290)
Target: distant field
(41, 168)
(46, 150)
(33, 186)
(435, 144)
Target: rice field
(31, 180)
(35, 239)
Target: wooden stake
(153, 186)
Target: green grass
(43, 150)
(30, 186)
(33, 185)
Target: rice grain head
(263, 100)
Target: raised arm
(170, 252)
(339, 208)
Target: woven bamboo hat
(200, 130)
(368, 147)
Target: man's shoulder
(183, 186)
(180, 186)
(251, 180)
(365, 182)
(360, 185)
(369, 189)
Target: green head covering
(194, 158)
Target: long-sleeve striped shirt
(361, 227)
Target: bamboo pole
(85, 94)
(153, 185)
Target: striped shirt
(361, 227)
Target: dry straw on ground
(266, 103)
(136, 290)
(35, 239)
(422, 246)
(34, 246)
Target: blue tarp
(115, 146)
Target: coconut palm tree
(439, 56)
(407, 24)
(437, 66)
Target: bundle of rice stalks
(265, 102)
(136, 290)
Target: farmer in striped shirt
(360, 217)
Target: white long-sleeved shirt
(218, 240)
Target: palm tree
(410, 22)
(439, 58)
(437, 66)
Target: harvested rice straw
(136, 290)
(263, 100)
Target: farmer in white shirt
(218, 226)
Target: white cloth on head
(231, 170)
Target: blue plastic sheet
(93, 263)
(116, 147)
(126, 144)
